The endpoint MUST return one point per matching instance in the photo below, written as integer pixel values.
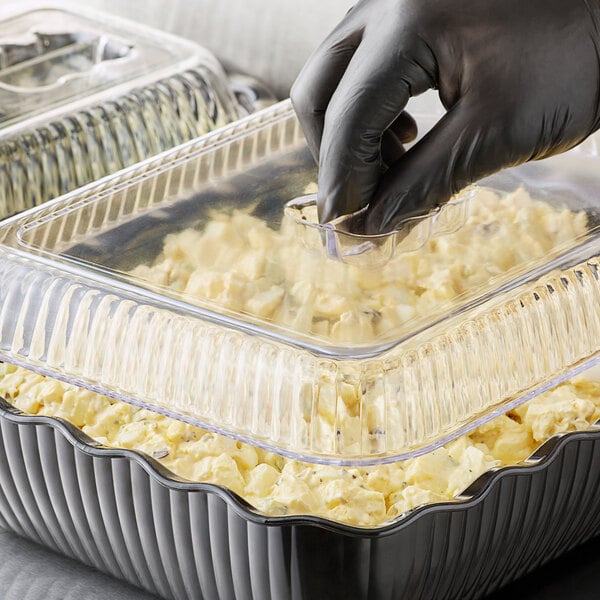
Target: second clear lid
(84, 94)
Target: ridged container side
(293, 401)
(52, 159)
(122, 513)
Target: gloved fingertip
(382, 215)
(326, 211)
(404, 128)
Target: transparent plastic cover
(51, 56)
(83, 95)
(200, 285)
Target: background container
(84, 94)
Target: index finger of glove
(372, 93)
(320, 77)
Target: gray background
(269, 39)
(29, 572)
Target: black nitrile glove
(520, 80)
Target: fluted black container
(123, 513)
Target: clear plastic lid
(83, 95)
(198, 284)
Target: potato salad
(362, 496)
(238, 263)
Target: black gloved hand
(520, 80)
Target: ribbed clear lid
(199, 284)
(53, 56)
(83, 95)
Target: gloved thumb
(460, 149)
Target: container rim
(473, 495)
